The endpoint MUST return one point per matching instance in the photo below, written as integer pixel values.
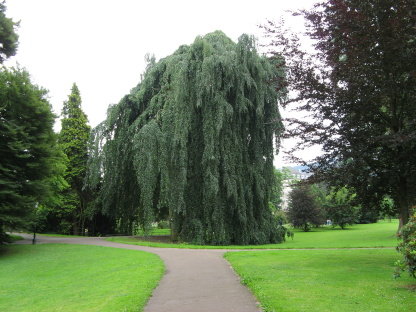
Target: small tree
(304, 210)
(339, 207)
(407, 247)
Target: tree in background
(360, 89)
(195, 139)
(276, 197)
(304, 208)
(73, 139)
(8, 36)
(28, 149)
(340, 207)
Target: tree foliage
(276, 198)
(194, 139)
(73, 139)
(407, 247)
(304, 210)
(340, 207)
(8, 36)
(359, 90)
(28, 149)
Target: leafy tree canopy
(304, 207)
(28, 150)
(8, 36)
(195, 138)
(340, 207)
(359, 89)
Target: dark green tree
(340, 207)
(28, 149)
(8, 36)
(304, 210)
(73, 139)
(360, 90)
(195, 138)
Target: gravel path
(196, 280)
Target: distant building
(297, 175)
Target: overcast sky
(100, 44)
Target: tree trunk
(403, 203)
(173, 232)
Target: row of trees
(41, 172)
(193, 142)
(314, 205)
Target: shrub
(281, 217)
(407, 247)
(163, 225)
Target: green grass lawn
(156, 231)
(381, 234)
(59, 277)
(333, 278)
(325, 280)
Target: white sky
(100, 44)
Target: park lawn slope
(376, 235)
(60, 277)
(325, 280)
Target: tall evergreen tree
(196, 137)
(73, 140)
(28, 149)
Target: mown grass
(381, 234)
(325, 280)
(156, 231)
(59, 277)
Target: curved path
(195, 279)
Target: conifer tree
(73, 140)
(195, 138)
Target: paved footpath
(197, 280)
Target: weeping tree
(196, 140)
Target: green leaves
(196, 136)
(73, 139)
(28, 150)
(8, 37)
(407, 247)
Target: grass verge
(325, 280)
(59, 277)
